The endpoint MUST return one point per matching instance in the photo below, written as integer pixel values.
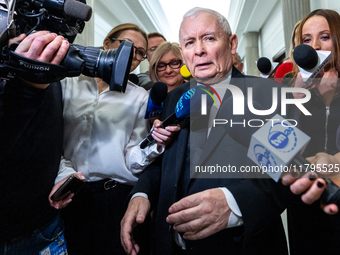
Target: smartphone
(71, 185)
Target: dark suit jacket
(260, 200)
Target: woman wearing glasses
(102, 132)
(166, 64)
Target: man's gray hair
(192, 13)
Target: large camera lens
(112, 66)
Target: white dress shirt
(102, 132)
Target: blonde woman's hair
(161, 50)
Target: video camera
(66, 18)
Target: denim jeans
(35, 243)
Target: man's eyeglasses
(139, 52)
(174, 64)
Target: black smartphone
(71, 185)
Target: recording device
(278, 144)
(157, 95)
(310, 61)
(71, 185)
(187, 107)
(266, 67)
(66, 18)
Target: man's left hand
(200, 215)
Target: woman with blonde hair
(165, 65)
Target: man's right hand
(42, 46)
(138, 209)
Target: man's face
(153, 43)
(206, 48)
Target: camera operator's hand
(43, 46)
(16, 39)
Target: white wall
(325, 4)
(271, 38)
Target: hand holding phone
(71, 185)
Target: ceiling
(243, 15)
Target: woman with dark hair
(311, 231)
(102, 133)
(320, 29)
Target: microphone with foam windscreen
(266, 67)
(157, 95)
(310, 61)
(71, 8)
(188, 106)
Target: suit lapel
(177, 151)
(181, 152)
(218, 132)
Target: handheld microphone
(157, 95)
(278, 144)
(188, 106)
(310, 61)
(185, 72)
(71, 8)
(266, 67)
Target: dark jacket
(260, 200)
(322, 125)
(311, 231)
(30, 148)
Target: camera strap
(35, 71)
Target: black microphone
(188, 106)
(266, 67)
(71, 8)
(305, 56)
(157, 95)
(310, 61)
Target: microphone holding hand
(187, 107)
(276, 148)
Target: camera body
(66, 18)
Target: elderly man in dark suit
(216, 215)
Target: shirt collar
(224, 80)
